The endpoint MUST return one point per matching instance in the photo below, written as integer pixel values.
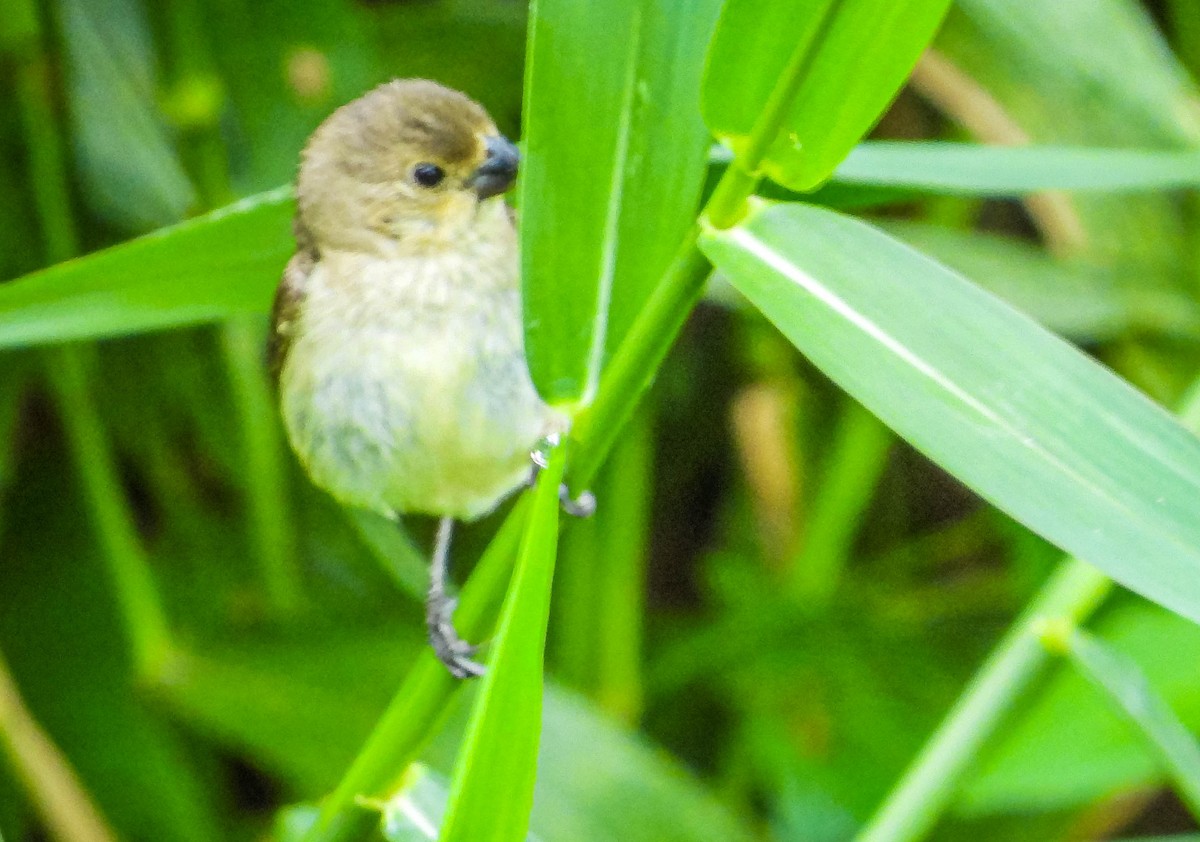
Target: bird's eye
(428, 175)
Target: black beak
(498, 172)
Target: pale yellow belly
(403, 411)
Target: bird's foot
(582, 506)
(451, 649)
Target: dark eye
(428, 175)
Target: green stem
(145, 623)
(632, 368)
(601, 581)
(1074, 591)
(54, 789)
(855, 462)
(727, 205)
(47, 159)
(142, 614)
(621, 574)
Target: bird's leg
(582, 506)
(451, 650)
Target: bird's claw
(450, 649)
(582, 506)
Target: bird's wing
(288, 299)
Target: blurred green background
(775, 591)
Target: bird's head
(409, 164)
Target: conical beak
(499, 171)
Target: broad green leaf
(202, 270)
(492, 790)
(414, 813)
(599, 781)
(836, 63)
(1069, 746)
(614, 151)
(1126, 685)
(1074, 298)
(129, 170)
(1024, 419)
(978, 170)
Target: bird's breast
(406, 387)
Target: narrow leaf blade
(1024, 419)
(202, 270)
(1126, 685)
(129, 168)
(491, 794)
(977, 170)
(853, 56)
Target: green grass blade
(392, 546)
(491, 794)
(970, 169)
(264, 453)
(1125, 684)
(203, 270)
(828, 68)
(1069, 747)
(858, 453)
(1028, 422)
(129, 169)
(1039, 58)
(145, 622)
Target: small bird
(396, 339)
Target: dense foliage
(884, 550)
